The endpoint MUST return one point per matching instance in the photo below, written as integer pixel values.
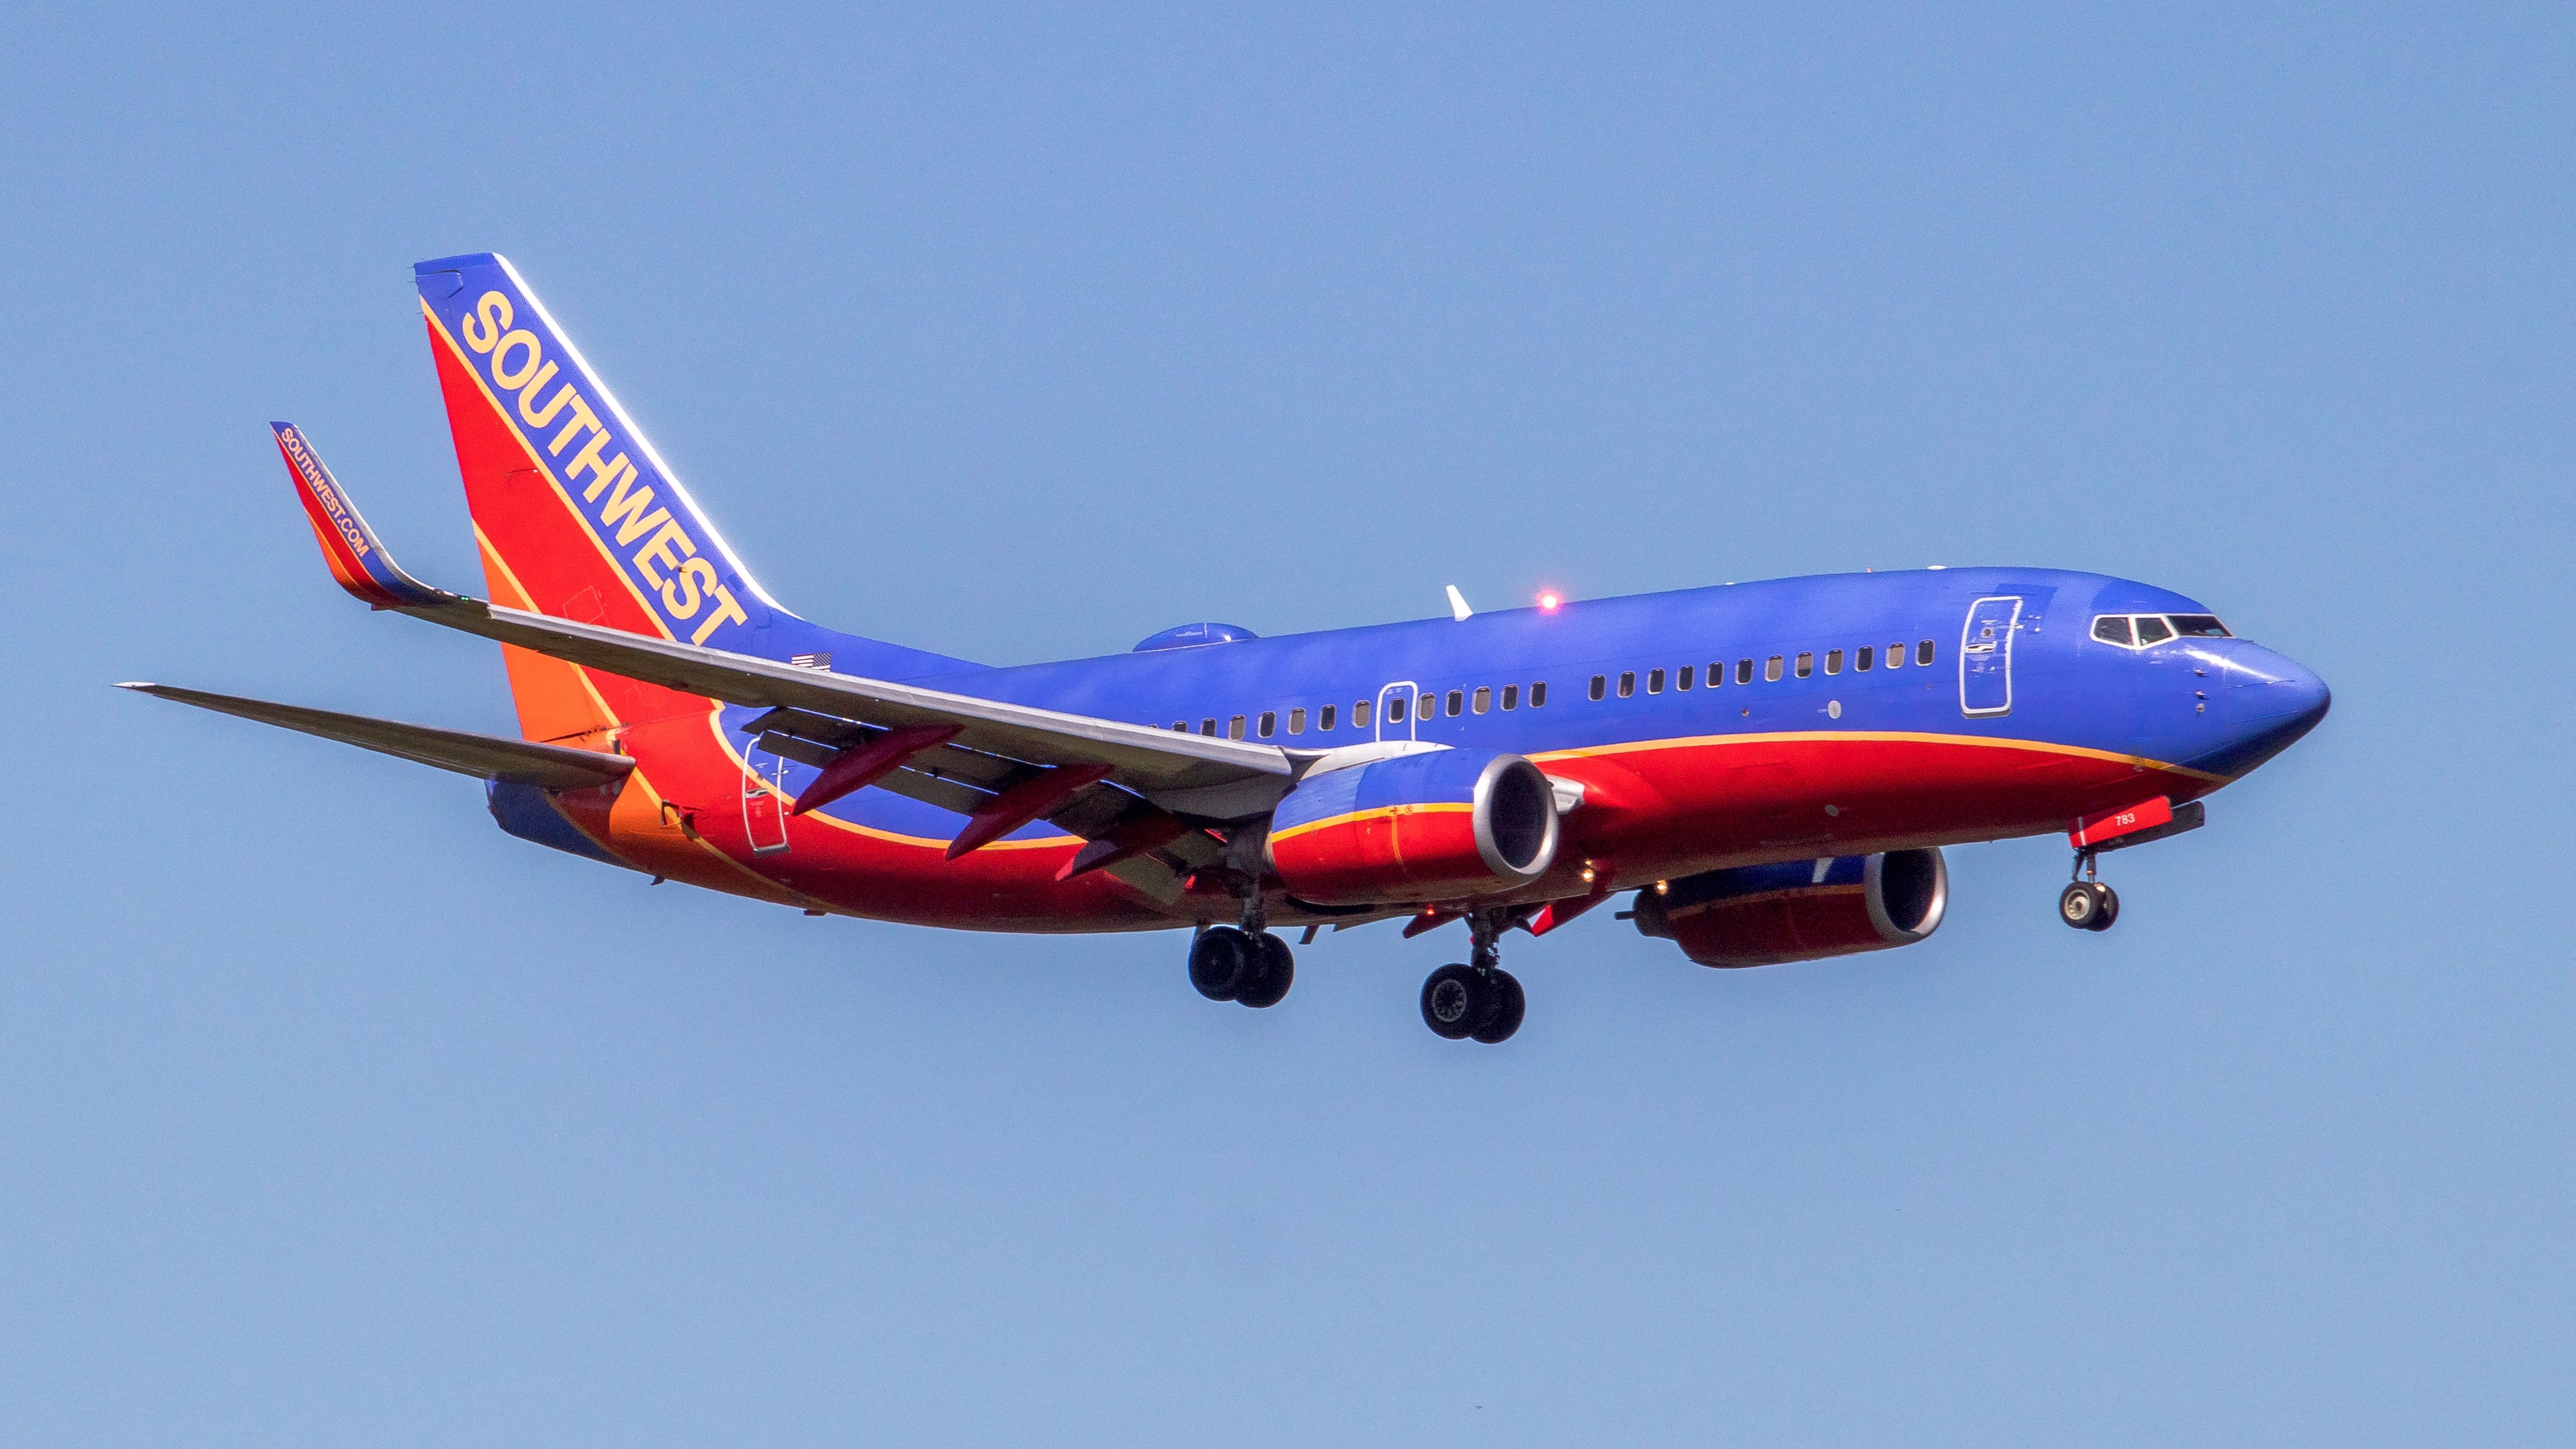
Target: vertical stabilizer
(577, 515)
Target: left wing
(1194, 776)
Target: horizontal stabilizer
(490, 757)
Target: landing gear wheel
(1457, 1002)
(2109, 912)
(1220, 959)
(2081, 903)
(1509, 1005)
(1273, 967)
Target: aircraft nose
(2271, 702)
(2279, 694)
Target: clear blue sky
(329, 1115)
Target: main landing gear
(2086, 903)
(1253, 968)
(1480, 1001)
(1247, 965)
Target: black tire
(1457, 1001)
(1510, 1005)
(2109, 912)
(2078, 904)
(1220, 959)
(1273, 968)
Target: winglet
(357, 560)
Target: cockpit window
(2152, 629)
(2198, 626)
(2113, 629)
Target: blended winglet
(356, 558)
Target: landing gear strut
(2086, 903)
(1480, 1000)
(1247, 964)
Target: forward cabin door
(1985, 657)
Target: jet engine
(1439, 825)
(1761, 915)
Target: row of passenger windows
(1863, 659)
(1460, 701)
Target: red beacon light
(1548, 599)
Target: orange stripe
(1880, 736)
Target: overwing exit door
(1395, 706)
(1985, 657)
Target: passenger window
(2152, 630)
(1234, 728)
(1457, 703)
(1360, 711)
(2112, 629)
(1896, 656)
(1395, 710)
(1207, 726)
(1771, 669)
(1538, 694)
(1744, 671)
(1654, 681)
(1430, 708)
(1484, 698)
(2198, 626)
(1923, 652)
(1600, 685)
(1324, 721)
(1269, 723)
(1511, 696)
(1684, 682)
(1627, 683)
(1806, 665)
(1296, 721)
(1833, 661)
(1861, 661)
(1180, 726)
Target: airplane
(1770, 771)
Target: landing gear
(2086, 903)
(1481, 1001)
(1272, 972)
(1246, 964)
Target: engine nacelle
(1440, 825)
(1761, 915)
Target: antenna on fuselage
(1458, 609)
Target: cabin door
(1985, 657)
(764, 801)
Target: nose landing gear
(1479, 1001)
(2086, 903)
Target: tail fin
(577, 515)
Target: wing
(1133, 791)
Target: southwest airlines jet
(1769, 769)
